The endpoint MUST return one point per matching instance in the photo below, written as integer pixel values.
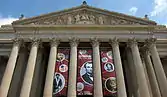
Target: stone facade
(28, 52)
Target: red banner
(108, 73)
(61, 73)
(85, 72)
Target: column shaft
(35, 86)
(48, 89)
(146, 74)
(7, 77)
(97, 79)
(19, 71)
(151, 75)
(121, 90)
(160, 74)
(42, 72)
(72, 69)
(141, 78)
(132, 73)
(27, 82)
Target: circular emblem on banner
(60, 57)
(109, 67)
(58, 83)
(109, 54)
(82, 52)
(110, 84)
(104, 59)
(86, 72)
(80, 86)
(63, 68)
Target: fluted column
(18, 75)
(151, 74)
(27, 82)
(7, 77)
(72, 69)
(48, 89)
(141, 78)
(97, 79)
(159, 71)
(121, 90)
(132, 73)
(146, 74)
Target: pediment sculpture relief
(83, 17)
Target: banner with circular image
(85, 72)
(61, 73)
(108, 73)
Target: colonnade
(155, 70)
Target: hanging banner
(85, 72)
(61, 73)
(108, 73)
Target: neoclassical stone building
(83, 51)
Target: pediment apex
(84, 14)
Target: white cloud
(6, 20)
(133, 10)
(160, 7)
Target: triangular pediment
(84, 14)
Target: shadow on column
(129, 76)
(3, 62)
(164, 63)
(40, 72)
(18, 76)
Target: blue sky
(11, 9)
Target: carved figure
(46, 22)
(92, 18)
(69, 20)
(122, 22)
(77, 18)
(86, 16)
(101, 21)
(113, 22)
(83, 17)
(59, 21)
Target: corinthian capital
(95, 42)
(74, 41)
(132, 42)
(35, 41)
(114, 42)
(145, 50)
(17, 41)
(150, 42)
(54, 42)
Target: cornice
(6, 30)
(85, 27)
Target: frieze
(83, 17)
